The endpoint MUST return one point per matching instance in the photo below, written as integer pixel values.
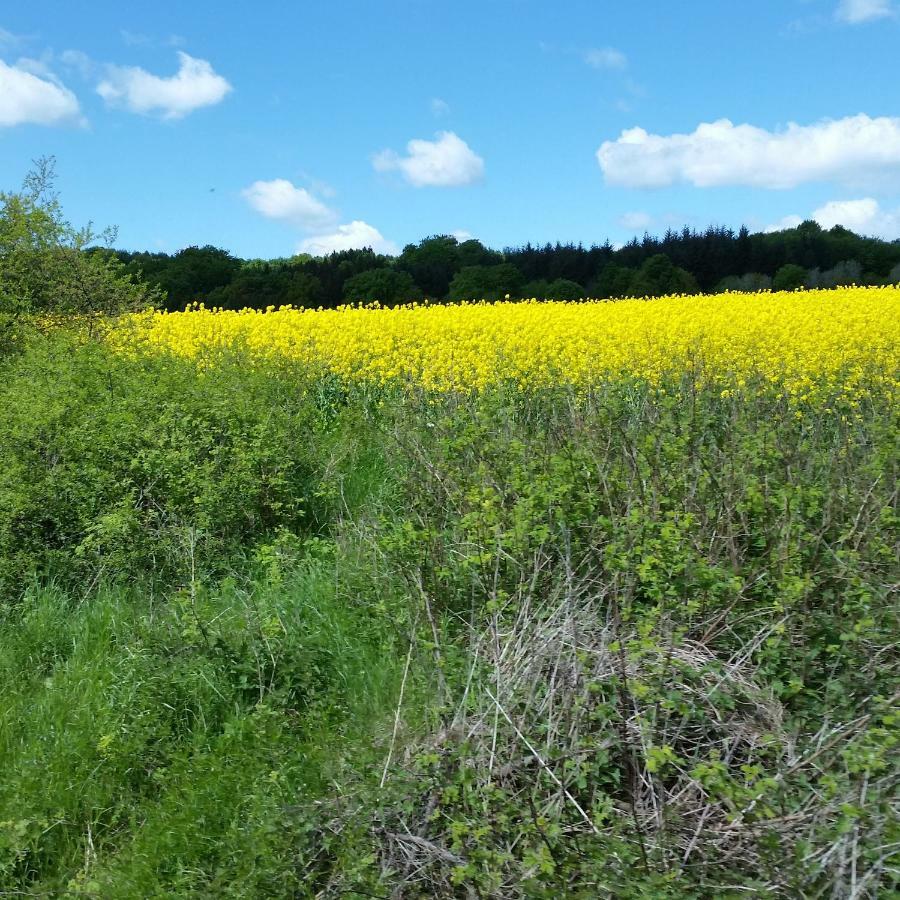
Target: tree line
(48, 265)
(442, 268)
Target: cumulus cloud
(606, 58)
(283, 201)
(447, 161)
(855, 12)
(850, 150)
(785, 223)
(462, 235)
(354, 236)
(635, 221)
(857, 215)
(35, 98)
(279, 199)
(195, 84)
(864, 216)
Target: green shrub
(123, 469)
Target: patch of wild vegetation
(270, 633)
(262, 636)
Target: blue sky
(279, 126)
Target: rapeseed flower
(800, 342)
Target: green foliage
(710, 261)
(614, 281)
(180, 748)
(748, 283)
(656, 277)
(669, 616)
(389, 287)
(844, 274)
(107, 465)
(189, 275)
(789, 278)
(261, 286)
(44, 268)
(434, 261)
(486, 283)
(559, 289)
(659, 276)
(264, 635)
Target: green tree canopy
(385, 285)
(487, 283)
(257, 287)
(558, 289)
(789, 277)
(658, 276)
(845, 273)
(44, 263)
(717, 259)
(614, 281)
(434, 261)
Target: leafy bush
(118, 468)
(44, 267)
(678, 612)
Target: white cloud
(850, 150)
(195, 84)
(857, 215)
(322, 188)
(354, 236)
(447, 161)
(864, 216)
(462, 235)
(281, 200)
(35, 99)
(785, 223)
(855, 12)
(606, 58)
(439, 107)
(635, 221)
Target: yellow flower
(803, 343)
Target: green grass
(156, 747)
(262, 637)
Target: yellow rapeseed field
(801, 341)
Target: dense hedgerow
(116, 468)
(265, 632)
